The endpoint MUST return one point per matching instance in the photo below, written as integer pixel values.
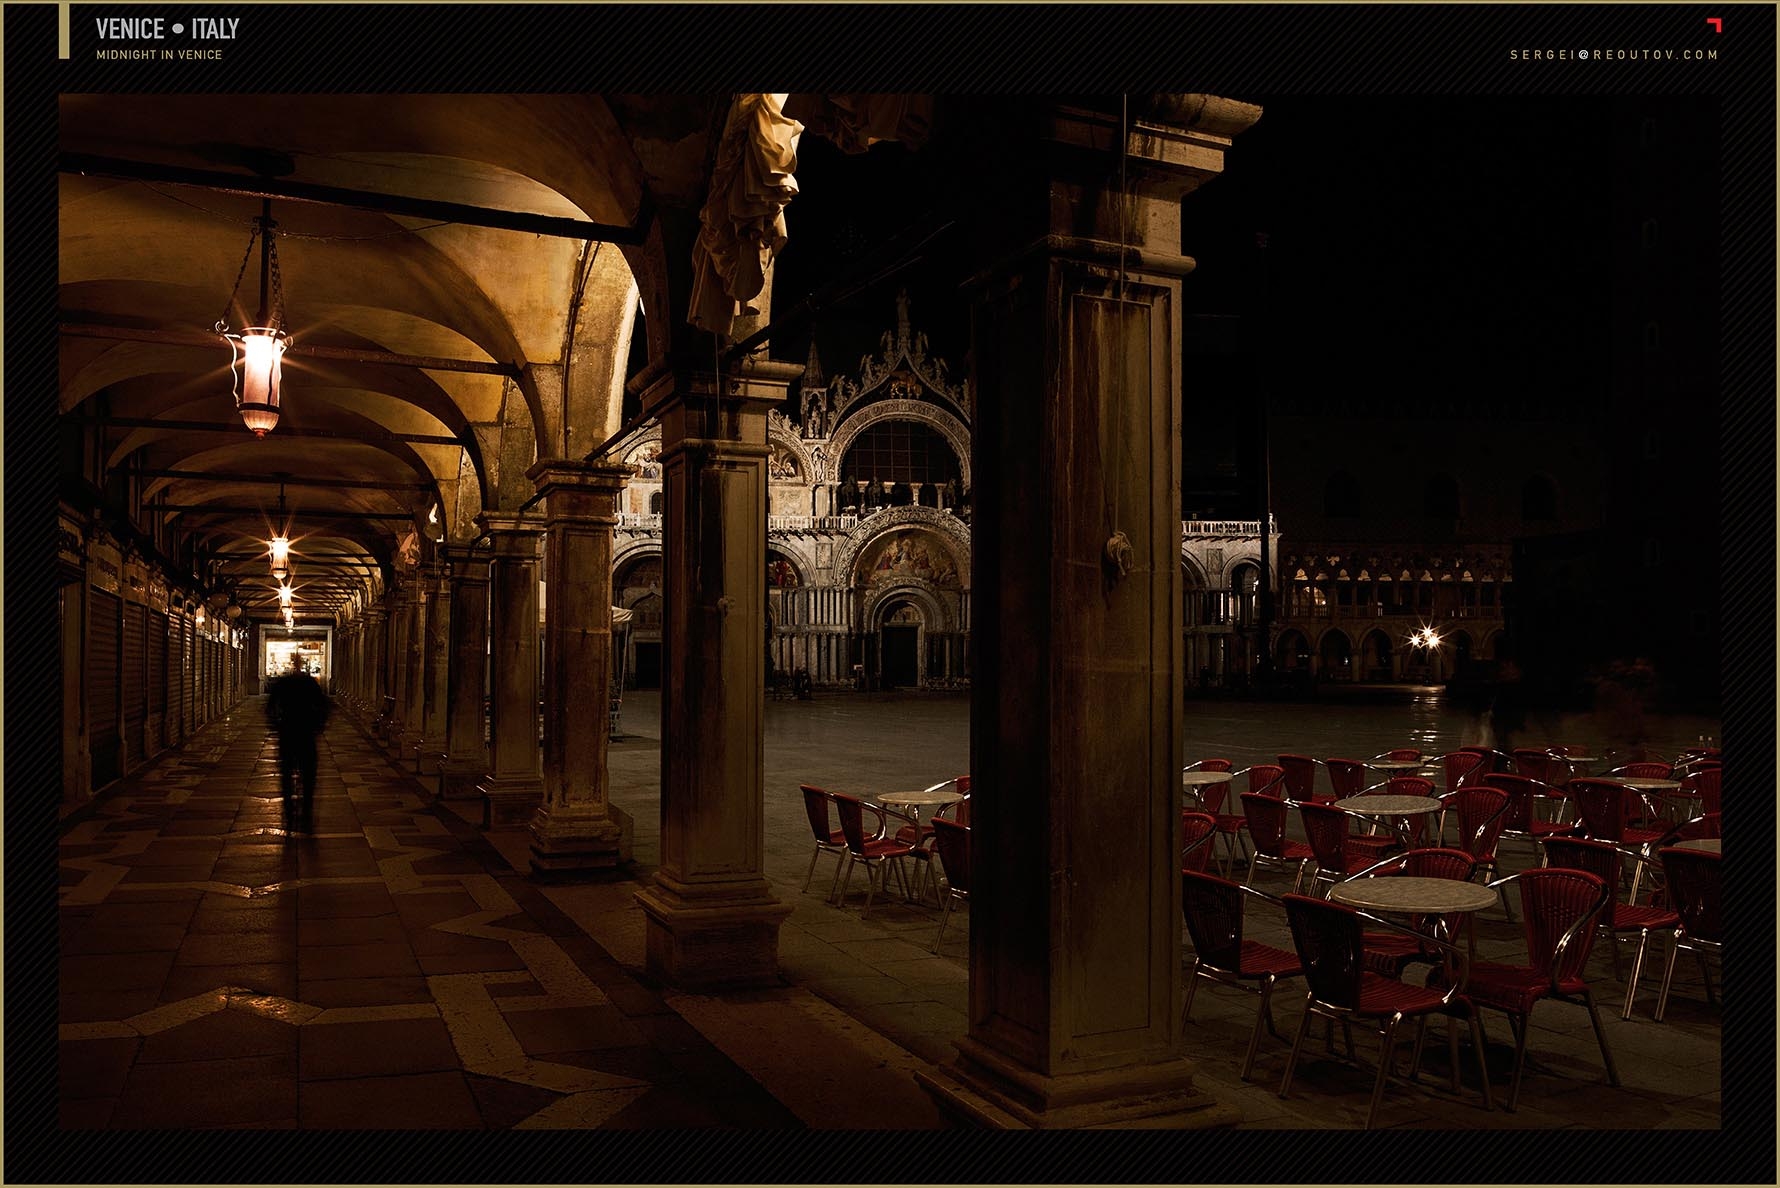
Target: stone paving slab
(375, 966)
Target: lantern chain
(222, 323)
(276, 313)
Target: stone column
(514, 787)
(712, 918)
(466, 764)
(376, 661)
(1076, 717)
(413, 683)
(402, 599)
(577, 830)
(435, 661)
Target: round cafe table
(1395, 765)
(1423, 896)
(1192, 781)
(1652, 791)
(916, 801)
(1709, 844)
(1399, 808)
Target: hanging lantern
(279, 547)
(256, 371)
(284, 597)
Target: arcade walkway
(383, 968)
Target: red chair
(1197, 833)
(1329, 940)
(1401, 755)
(1604, 809)
(1642, 770)
(953, 843)
(1346, 776)
(1300, 777)
(1697, 893)
(1522, 819)
(1704, 785)
(1338, 854)
(1267, 829)
(1230, 826)
(1461, 767)
(874, 853)
(1560, 907)
(1212, 908)
(1604, 860)
(1481, 811)
(1706, 825)
(1265, 779)
(1539, 765)
(828, 841)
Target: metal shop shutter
(135, 681)
(102, 657)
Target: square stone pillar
(435, 662)
(712, 918)
(466, 763)
(514, 786)
(576, 831)
(395, 697)
(375, 661)
(411, 698)
(1075, 924)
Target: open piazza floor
(387, 967)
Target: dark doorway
(648, 674)
(899, 657)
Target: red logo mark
(1717, 24)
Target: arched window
(1538, 499)
(1341, 496)
(1440, 498)
(900, 452)
(655, 504)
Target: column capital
(515, 537)
(752, 386)
(577, 490)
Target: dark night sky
(1450, 240)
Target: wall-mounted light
(256, 370)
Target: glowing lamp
(256, 371)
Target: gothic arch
(861, 418)
(957, 537)
(932, 601)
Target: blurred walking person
(298, 709)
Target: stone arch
(629, 556)
(799, 567)
(1291, 651)
(1233, 568)
(868, 530)
(930, 599)
(861, 418)
(1376, 651)
(1335, 655)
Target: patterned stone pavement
(386, 968)
(381, 967)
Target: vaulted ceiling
(458, 284)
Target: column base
(462, 779)
(567, 844)
(509, 800)
(721, 937)
(983, 1088)
(432, 756)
